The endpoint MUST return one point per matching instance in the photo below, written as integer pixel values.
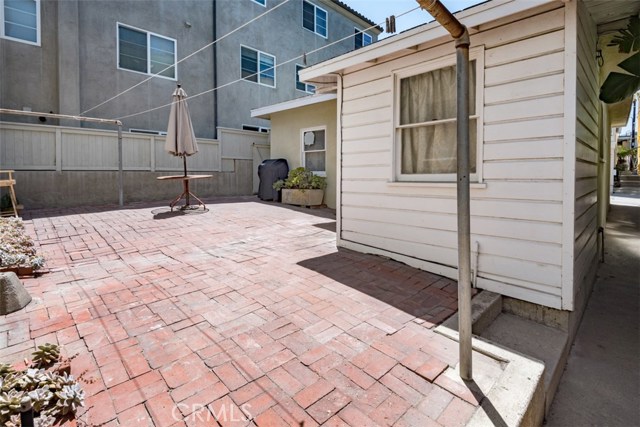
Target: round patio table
(186, 193)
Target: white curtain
(431, 96)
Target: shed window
(314, 18)
(146, 52)
(21, 20)
(314, 150)
(261, 2)
(258, 67)
(426, 123)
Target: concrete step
(536, 340)
(485, 307)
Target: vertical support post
(461, 35)
(120, 173)
(58, 143)
(464, 206)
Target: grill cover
(270, 171)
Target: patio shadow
(418, 293)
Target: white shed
(540, 139)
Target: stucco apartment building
(71, 56)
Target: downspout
(461, 35)
(215, 71)
(339, 102)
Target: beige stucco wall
(286, 138)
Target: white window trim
(263, 5)
(275, 67)
(38, 27)
(475, 54)
(364, 34)
(315, 30)
(149, 34)
(306, 85)
(302, 150)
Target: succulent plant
(46, 354)
(9, 382)
(14, 402)
(40, 398)
(63, 380)
(31, 379)
(70, 398)
(6, 369)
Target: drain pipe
(461, 35)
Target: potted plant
(302, 187)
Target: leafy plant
(301, 179)
(620, 86)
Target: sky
(378, 10)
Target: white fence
(34, 147)
(53, 160)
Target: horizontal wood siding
(516, 212)
(587, 111)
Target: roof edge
(265, 112)
(471, 17)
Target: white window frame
(475, 54)
(275, 67)
(364, 36)
(38, 27)
(303, 152)
(149, 34)
(261, 4)
(315, 19)
(306, 85)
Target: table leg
(186, 191)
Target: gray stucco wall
(280, 33)
(75, 67)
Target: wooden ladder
(9, 182)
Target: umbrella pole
(186, 181)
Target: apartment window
(261, 2)
(145, 52)
(361, 39)
(314, 18)
(314, 150)
(301, 85)
(425, 136)
(260, 129)
(258, 67)
(21, 20)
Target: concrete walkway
(243, 315)
(601, 382)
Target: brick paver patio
(244, 315)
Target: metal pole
(461, 36)
(464, 207)
(120, 175)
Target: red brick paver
(244, 315)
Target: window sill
(479, 185)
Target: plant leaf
(618, 87)
(631, 64)
(628, 40)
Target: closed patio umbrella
(181, 140)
